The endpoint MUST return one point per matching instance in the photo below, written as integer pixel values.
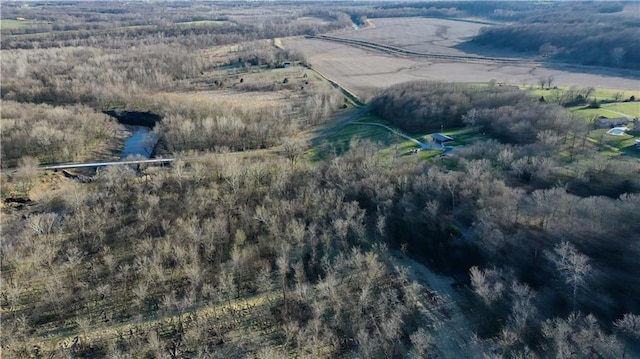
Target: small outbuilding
(441, 138)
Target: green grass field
(342, 138)
(202, 22)
(615, 145)
(628, 108)
(591, 113)
(599, 94)
(392, 144)
(613, 110)
(15, 24)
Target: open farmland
(365, 71)
(418, 34)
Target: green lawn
(599, 94)
(363, 132)
(615, 145)
(628, 108)
(392, 144)
(15, 24)
(463, 136)
(590, 113)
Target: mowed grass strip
(615, 110)
(16, 24)
(610, 145)
(590, 114)
(600, 94)
(628, 108)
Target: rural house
(603, 122)
(441, 138)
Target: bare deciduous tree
(488, 284)
(629, 327)
(573, 266)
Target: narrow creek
(142, 141)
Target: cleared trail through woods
(452, 331)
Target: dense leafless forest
(261, 240)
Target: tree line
(202, 251)
(572, 34)
(55, 133)
(504, 112)
(299, 256)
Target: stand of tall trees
(573, 34)
(55, 133)
(504, 112)
(533, 249)
(295, 258)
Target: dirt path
(452, 331)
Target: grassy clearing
(599, 94)
(624, 144)
(628, 108)
(591, 113)
(614, 145)
(202, 22)
(137, 27)
(12, 24)
(16, 24)
(393, 145)
(342, 138)
(614, 110)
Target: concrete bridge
(102, 164)
(96, 164)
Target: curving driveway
(423, 146)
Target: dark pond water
(141, 142)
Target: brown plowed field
(418, 33)
(365, 71)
